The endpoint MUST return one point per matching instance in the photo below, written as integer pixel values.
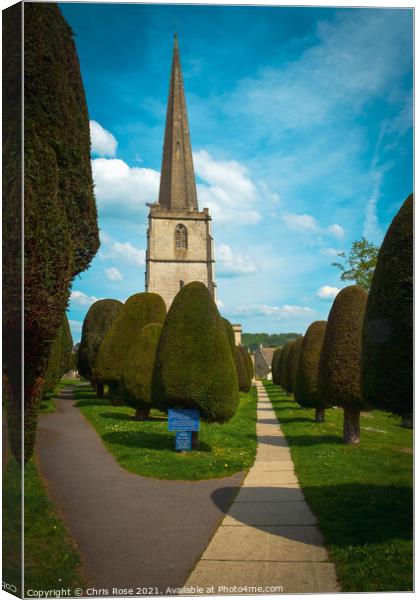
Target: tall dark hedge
(284, 373)
(292, 365)
(139, 310)
(340, 360)
(136, 379)
(387, 342)
(244, 380)
(306, 388)
(276, 365)
(97, 322)
(60, 222)
(11, 225)
(249, 365)
(194, 364)
(230, 334)
(59, 360)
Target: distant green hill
(273, 340)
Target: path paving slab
(269, 536)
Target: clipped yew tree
(387, 342)
(284, 372)
(230, 334)
(60, 221)
(139, 310)
(276, 365)
(194, 365)
(98, 320)
(136, 378)
(244, 381)
(306, 387)
(249, 365)
(340, 360)
(293, 364)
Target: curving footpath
(132, 531)
(268, 541)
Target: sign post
(185, 422)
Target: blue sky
(301, 126)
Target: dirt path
(131, 531)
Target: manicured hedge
(387, 350)
(244, 380)
(340, 361)
(293, 364)
(306, 389)
(194, 364)
(284, 374)
(276, 366)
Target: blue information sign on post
(183, 419)
(183, 440)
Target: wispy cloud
(82, 299)
(231, 264)
(113, 274)
(121, 251)
(308, 224)
(327, 292)
(286, 311)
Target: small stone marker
(183, 421)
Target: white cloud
(308, 224)
(228, 190)
(113, 274)
(76, 326)
(281, 312)
(102, 141)
(121, 189)
(122, 251)
(220, 304)
(82, 299)
(330, 251)
(230, 264)
(327, 292)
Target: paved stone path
(269, 536)
(131, 531)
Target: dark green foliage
(230, 333)
(306, 389)
(59, 360)
(276, 366)
(253, 340)
(292, 365)
(340, 361)
(283, 367)
(138, 311)
(387, 346)
(194, 363)
(60, 222)
(136, 378)
(249, 365)
(244, 380)
(97, 322)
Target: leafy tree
(273, 340)
(283, 377)
(60, 221)
(136, 380)
(194, 365)
(244, 381)
(293, 364)
(98, 320)
(139, 310)
(276, 366)
(387, 350)
(360, 264)
(339, 364)
(306, 391)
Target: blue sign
(183, 419)
(183, 440)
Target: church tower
(179, 242)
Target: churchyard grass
(147, 447)
(360, 494)
(51, 559)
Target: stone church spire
(177, 183)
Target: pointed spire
(177, 182)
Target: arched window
(181, 237)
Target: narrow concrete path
(268, 541)
(132, 532)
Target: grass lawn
(51, 559)
(361, 495)
(147, 447)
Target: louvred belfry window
(181, 237)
